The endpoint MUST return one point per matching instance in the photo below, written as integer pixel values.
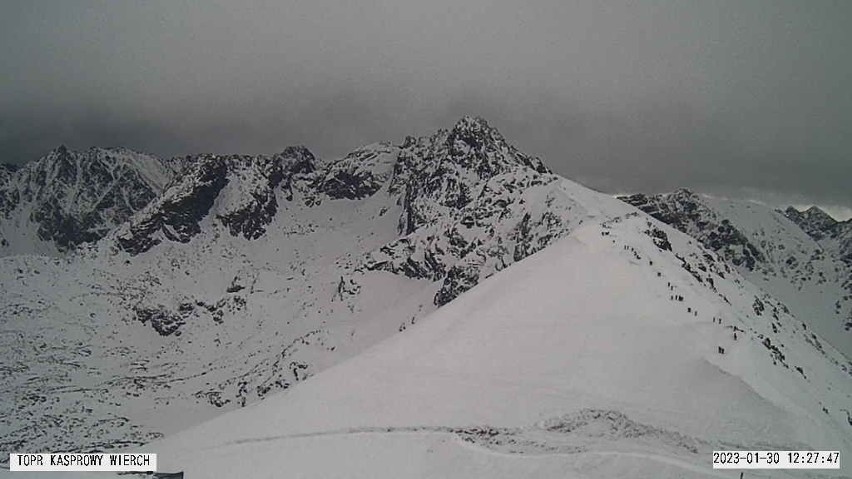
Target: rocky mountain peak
(440, 174)
(472, 122)
(684, 194)
(475, 132)
(303, 161)
(474, 144)
(6, 171)
(461, 192)
(814, 221)
(70, 197)
(817, 214)
(408, 142)
(835, 236)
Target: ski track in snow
(585, 434)
(586, 431)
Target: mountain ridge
(68, 198)
(789, 255)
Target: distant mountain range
(835, 236)
(800, 257)
(141, 296)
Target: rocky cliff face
(437, 175)
(461, 193)
(359, 174)
(68, 198)
(247, 186)
(840, 241)
(6, 172)
(685, 211)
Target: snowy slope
(67, 198)
(771, 251)
(576, 362)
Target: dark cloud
(737, 98)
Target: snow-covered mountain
(625, 349)
(250, 274)
(797, 258)
(68, 198)
(814, 221)
(835, 236)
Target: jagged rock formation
(6, 171)
(438, 175)
(254, 208)
(250, 200)
(68, 198)
(840, 241)
(176, 214)
(684, 210)
(835, 236)
(359, 174)
(814, 221)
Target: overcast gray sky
(746, 98)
